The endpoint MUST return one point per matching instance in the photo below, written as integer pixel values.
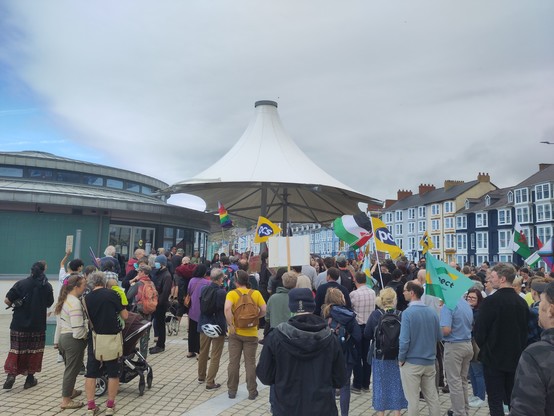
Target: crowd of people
(329, 330)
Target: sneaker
(477, 403)
(506, 409)
(232, 394)
(59, 359)
(252, 396)
(8, 384)
(201, 380)
(214, 386)
(31, 381)
(354, 390)
(156, 349)
(93, 412)
(110, 411)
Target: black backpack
(386, 338)
(208, 297)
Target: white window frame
(482, 240)
(389, 217)
(398, 215)
(544, 233)
(448, 207)
(411, 227)
(521, 195)
(422, 212)
(411, 213)
(523, 215)
(504, 239)
(461, 242)
(505, 258)
(461, 222)
(481, 220)
(449, 241)
(435, 225)
(449, 223)
(397, 230)
(421, 226)
(436, 239)
(435, 209)
(543, 192)
(544, 212)
(505, 216)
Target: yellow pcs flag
(426, 243)
(384, 240)
(264, 230)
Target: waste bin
(50, 330)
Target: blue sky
(384, 95)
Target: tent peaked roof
(266, 159)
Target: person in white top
(71, 337)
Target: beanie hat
(161, 259)
(301, 300)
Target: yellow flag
(384, 240)
(426, 243)
(265, 229)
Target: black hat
(301, 300)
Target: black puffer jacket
(304, 361)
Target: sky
(382, 95)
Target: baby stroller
(171, 319)
(132, 362)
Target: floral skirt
(26, 351)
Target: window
(449, 223)
(504, 239)
(504, 216)
(400, 242)
(529, 233)
(461, 222)
(511, 197)
(461, 242)
(481, 219)
(41, 174)
(487, 201)
(449, 207)
(472, 241)
(461, 259)
(411, 227)
(436, 241)
(521, 195)
(397, 230)
(522, 215)
(11, 172)
(388, 217)
(421, 212)
(544, 212)
(114, 183)
(544, 233)
(482, 240)
(449, 241)
(411, 243)
(398, 215)
(542, 192)
(435, 225)
(466, 204)
(411, 213)
(505, 258)
(132, 186)
(435, 209)
(421, 226)
(482, 258)
(69, 177)
(93, 180)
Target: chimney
(484, 177)
(424, 188)
(389, 202)
(403, 194)
(543, 166)
(450, 183)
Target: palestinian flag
(355, 230)
(546, 252)
(519, 242)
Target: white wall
(6, 285)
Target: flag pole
(376, 251)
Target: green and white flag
(519, 242)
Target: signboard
(299, 251)
(68, 243)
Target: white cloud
(383, 95)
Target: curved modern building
(45, 198)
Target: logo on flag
(265, 229)
(384, 240)
(426, 243)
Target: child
(112, 284)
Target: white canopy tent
(265, 173)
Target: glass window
(504, 216)
(544, 233)
(461, 241)
(542, 192)
(421, 212)
(69, 177)
(472, 241)
(435, 209)
(397, 230)
(114, 183)
(461, 258)
(436, 241)
(11, 172)
(93, 180)
(505, 258)
(435, 225)
(522, 215)
(487, 201)
(521, 196)
(45, 174)
(461, 222)
(398, 215)
(449, 222)
(449, 206)
(544, 212)
(388, 217)
(421, 226)
(411, 213)
(132, 186)
(510, 197)
(411, 227)
(504, 239)
(449, 241)
(482, 240)
(481, 219)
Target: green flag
(445, 282)
(519, 242)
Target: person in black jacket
(303, 362)
(501, 334)
(164, 283)
(332, 277)
(29, 298)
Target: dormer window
(487, 201)
(511, 197)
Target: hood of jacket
(304, 336)
(282, 290)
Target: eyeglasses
(471, 297)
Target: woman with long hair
(30, 298)
(198, 281)
(338, 315)
(474, 297)
(387, 387)
(71, 336)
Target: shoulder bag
(107, 347)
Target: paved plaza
(175, 390)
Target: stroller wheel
(149, 377)
(142, 385)
(101, 386)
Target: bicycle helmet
(212, 331)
